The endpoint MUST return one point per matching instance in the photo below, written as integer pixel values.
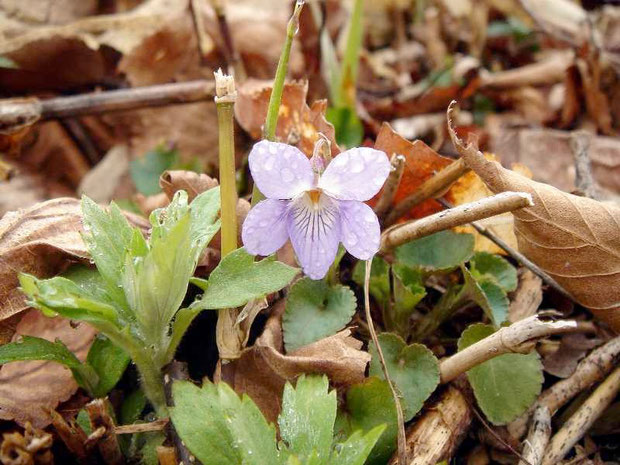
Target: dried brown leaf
(572, 348)
(110, 178)
(421, 163)
(298, 124)
(189, 181)
(29, 389)
(526, 299)
(574, 239)
(263, 369)
(41, 240)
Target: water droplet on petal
(356, 164)
(369, 216)
(269, 162)
(351, 239)
(273, 149)
(287, 175)
(263, 223)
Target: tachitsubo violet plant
(314, 205)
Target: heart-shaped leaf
(413, 369)
(504, 386)
(485, 265)
(488, 295)
(441, 251)
(315, 310)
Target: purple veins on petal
(314, 229)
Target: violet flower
(316, 209)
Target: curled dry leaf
(193, 183)
(263, 369)
(29, 389)
(41, 240)
(421, 162)
(31, 447)
(526, 299)
(470, 188)
(573, 347)
(574, 239)
(298, 124)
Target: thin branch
(457, 216)
(537, 438)
(16, 112)
(590, 370)
(231, 55)
(518, 256)
(109, 448)
(402, 444)
(584, 181)
(519, 337)
(433, 187)
(156, 425)
(390, 187)
(578, 424)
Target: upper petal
(264, 229)
(360, 231)
(315, 233)
(280, 171)
(356, 174)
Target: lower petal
(264, 229)
(315, 233)
(360, 229)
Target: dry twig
(589, 371)
(538, 437)
(577, 425)
(520, 337)
(436, 435)
(14, 113)
(390, 187)
(72, 435)
(98, 412)
(457, 216)
(156, 425)
(433, 187)
(584, 181)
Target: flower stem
(271, 122)
(152, 381)
(224, 101)
(344, 91)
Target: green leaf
(356, 449)
(220, 428)
(205, 222)
(60, 296)
(108, 237)
(155, 285)
(145, 171)
(307, 418)
(379, 279)
(348, 126)
(505, 386)
(238, 279)
(409, 290)
(132, 407)
(414, 370)
(35, 348)
(488, 295)
(441, 251)
(370, 405)
(494, 268)
(315, 310)
(109, 362)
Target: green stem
(271, 122)
(152, 381)
(447, 305)
(228, 187)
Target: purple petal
(315, 233)
(264, 229)
(280, 171)
(360, 232)
(356, 174)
